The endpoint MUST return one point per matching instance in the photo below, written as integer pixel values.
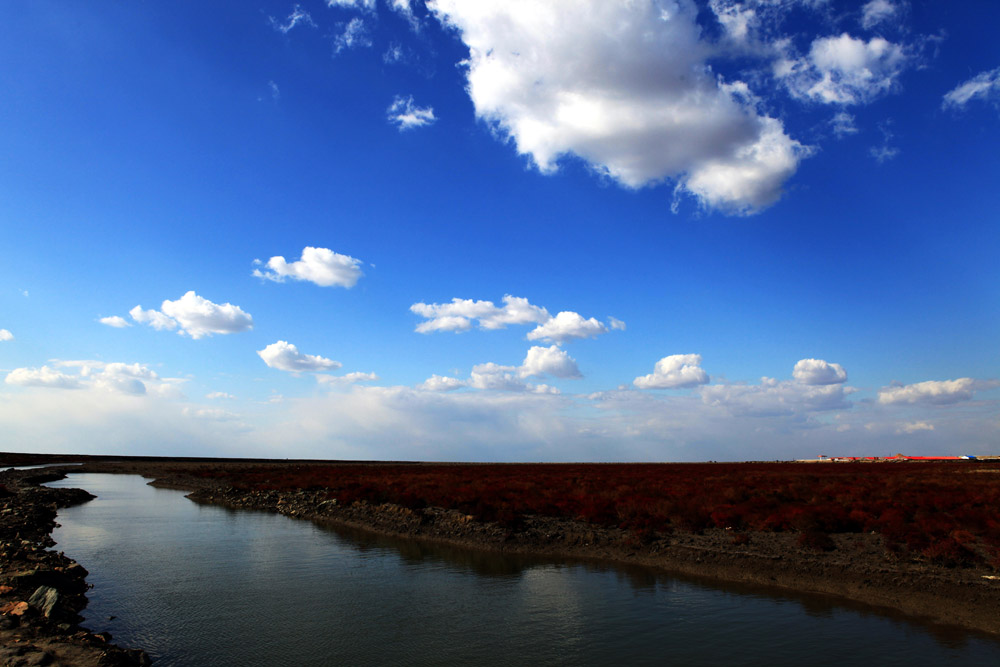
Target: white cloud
(196, 316)
(286, 357)
(817, 371)
(393, 54)
(406, 115)
(459, 314)
(297, 16)
(674, 372)
(321, 266)
(883, 153)
(549, 361)
(933, 392)
(216, 395)
(565, 326)
(878, 11)
(984, 86)
(616, 324)
(844, 70)
(211, 414)
(41, 377)
(738, 20)
(625, 87)
(116, 321)
(539, 361)
(843, 124)
(774, 398)
(346, 379)
(355, 35)
(364, 5)
(441, 383)
(914, 427)
(6, 335)
(113, 377)
(153, 318)
(495, 377)
(750, 178)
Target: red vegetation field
(947, 513)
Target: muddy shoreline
(965, 598)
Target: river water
(201, 585)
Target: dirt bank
(856, 569)
(43, 591)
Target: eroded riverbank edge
(856, 571)
(42, 591)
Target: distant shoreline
(856, 569)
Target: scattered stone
(44, 599)
(14, 608)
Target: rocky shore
(42, 591)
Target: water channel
(201, 585)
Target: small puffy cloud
(932, 392)
(195, 316)
(984, 86)
(616, 324)
(879, 11)
(321, 266)
(198, 317)
(297, 16)
(674, 372)
(6, 335)
(355, 34)
(774, 398)
(567, 325)
(817, 371)
(286, 357)
(844, 70)
(459, 314)
(116, 321)
(441, 383)
(217, 395)
(42, 377)
(914, 427)
(549, 361)
(638, 102)
(406, 115)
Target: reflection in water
(197, 585)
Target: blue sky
(659, 230)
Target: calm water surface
(200, 585)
